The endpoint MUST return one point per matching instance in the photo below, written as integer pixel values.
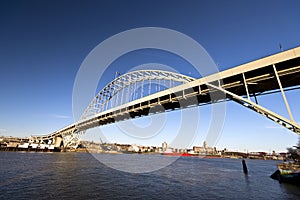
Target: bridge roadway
(252, 79)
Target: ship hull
(189, 155)
(287, 173)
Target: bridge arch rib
(131, 86)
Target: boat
(288, 172)
(189, 154)
(176, 154)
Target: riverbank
(30, 149)
(101, 151)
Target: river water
(29, 175)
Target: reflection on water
(80, 175)
(291, 189)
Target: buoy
(244, 167)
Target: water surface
(30, 175)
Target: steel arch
(135, 84)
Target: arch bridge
(144, 92)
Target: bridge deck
(260, 74)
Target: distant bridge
(140, 93)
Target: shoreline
(82, 150)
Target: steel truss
(287, 123)
(132, 86)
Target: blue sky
(43, 44)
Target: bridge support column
(58, 141)
(246, 86)
(283, 94)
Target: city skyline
(43, 47)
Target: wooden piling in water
(244, 167)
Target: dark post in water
(244, 167)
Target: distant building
(134, 148)
(199, 149)
(164, 146)
(204, 149)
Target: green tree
(294, 152)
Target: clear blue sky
(43, 44)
